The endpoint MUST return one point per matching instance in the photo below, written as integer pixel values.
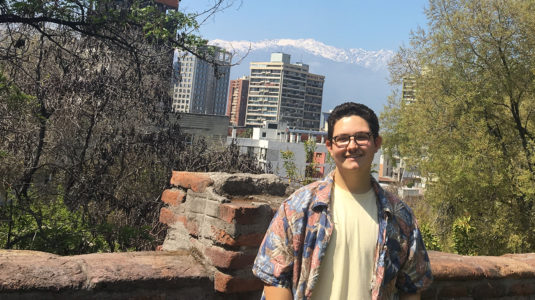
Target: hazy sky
(366, 24)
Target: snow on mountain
(350, 74)
(369, 59)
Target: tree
(470, 130)
(88, 137)
(289, 165)
(109, 20)
(310, 168)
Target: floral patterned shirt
(297, 238)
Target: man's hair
(353, 109)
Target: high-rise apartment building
(283, 92)
(237, 100)
(200, 86)
(408, 89)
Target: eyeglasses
(360, 138)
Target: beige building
(283, 92)
(408, 90)
(198, 88)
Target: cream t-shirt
(347, 267)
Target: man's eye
(361, 137)
(342, 139)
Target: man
(344, 237)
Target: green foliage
(310, 169)
(471, 129)
(431, 240)
(109, 19)
(463, 236)
(88, 136)
(288, 158)
(50, 226)
(247, 133)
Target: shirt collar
(324, 188)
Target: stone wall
(216, 222)
(221, 218)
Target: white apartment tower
(200, 87)
(282, 92)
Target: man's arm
(409, 296)
(278, 293)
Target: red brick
(251, 240)
(167, 216)
(454, 291)
(522, 289)
(191, 226)
(226, 259)
(488, 290)
(228, 284)
(245, 214)
(198, 182)
(173, 197)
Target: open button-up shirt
(297, 238)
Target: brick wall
(216, 222)
(222, 218)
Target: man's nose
(352, 143)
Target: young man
(344, 237)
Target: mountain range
(350, 74)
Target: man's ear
(378, 142)
(329, 146)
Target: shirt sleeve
(415, 274)
(274, 261)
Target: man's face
(355, 156)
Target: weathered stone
(203, 203)
(228, 259)
(248, 184)
(30, 271)
(225, 283)
(454, 291)
(245, 213)
(524, 288)
(448, 266)
(196, 181)
(250, 240)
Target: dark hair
(353, 109)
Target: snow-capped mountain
(369, 59)
(350, 74)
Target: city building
(269, 141)
(237, 101)
(200, 86)
(394, 171)
(167, 4)
(408, 90)
(211, 127)
(283, 92)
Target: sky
(366, 24)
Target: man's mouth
(354, 155)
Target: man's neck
(355, 182)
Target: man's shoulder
(303, 197)
(399, 208)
